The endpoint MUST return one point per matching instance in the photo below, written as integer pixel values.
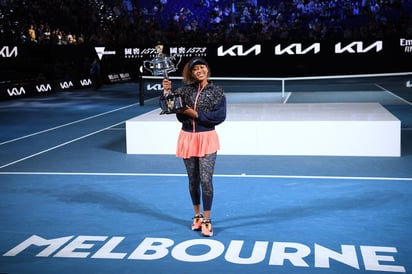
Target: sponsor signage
(298, 49)
(66, 85)
(239, 50)
(137, 52)
(8, 52)
(149, 53)
(86, 82)
(406, 45)
(25, 89)
(188, 51)
(100, 51)
(119, 77)
(43, 88)
(266, 59)
(358, 47)
(16, 91)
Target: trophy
(162, 65)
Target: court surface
(73, 201)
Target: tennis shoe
(207, 230)
(197, 222)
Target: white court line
(287, 97)
(62, 144)
(216, 175)
(68, 124)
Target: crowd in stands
(134, 22)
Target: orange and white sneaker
(207, 230)
(197, 222)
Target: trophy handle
(147, 67)
(166, 75)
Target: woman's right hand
(167, 85)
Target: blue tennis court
(73, 201)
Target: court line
(287, 98)
(60, 145)
(216, 175)
(68, 124)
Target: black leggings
(200, 174)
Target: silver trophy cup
(162, 65)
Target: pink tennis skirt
(197, 144)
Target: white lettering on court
(373, 258)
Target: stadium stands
(141, 22)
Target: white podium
(315, 129)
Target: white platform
(321, 129)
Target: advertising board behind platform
(65, 67)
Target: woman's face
(200, 72)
